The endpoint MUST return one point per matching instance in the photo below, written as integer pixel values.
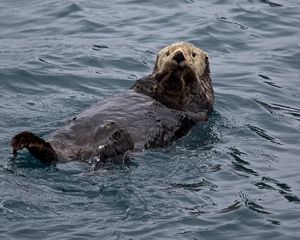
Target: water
(236, 177)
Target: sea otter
(157, 110)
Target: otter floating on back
(157, 110)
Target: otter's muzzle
(179, 57)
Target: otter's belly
(149, 123)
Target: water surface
(235, 177)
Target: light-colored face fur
(195, 58)
(183, 72)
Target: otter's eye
(193, 54)
(167, 53)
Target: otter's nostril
(178, 57)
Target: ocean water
(235, 177)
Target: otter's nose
(178, 57)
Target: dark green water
(236, 177)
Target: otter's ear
(207, 69)
(156, 63)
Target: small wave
(275, 108)
(252, 204)
(197, 186)
(67, 10)
(263, 133)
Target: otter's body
(157, 110)
(150, 124)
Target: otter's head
(182, 71)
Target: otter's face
(179, 67)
